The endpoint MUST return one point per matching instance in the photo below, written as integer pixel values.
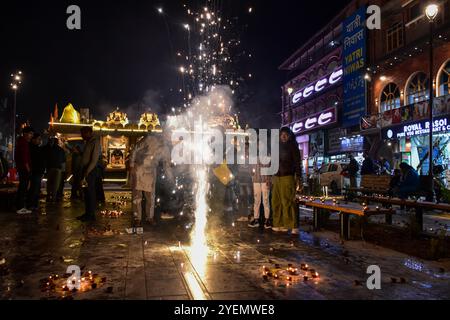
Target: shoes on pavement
(254, 224)
(267, 224)
(167, 216)
(295, 231)
(24, 211)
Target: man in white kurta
(148, 153)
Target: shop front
(410, 143)
(341, 144)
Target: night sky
(122, 56)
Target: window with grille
(390, 98)
(417, 89)
(415, 11)
(394, 37)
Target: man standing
(286, 182)
(23, 163)
(37, 171)
(144, 161)
(54, 159)
(89, 162)
(352, 170)
(368, 167)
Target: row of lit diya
(336, 200)
(70, 283)
(290, 274)
(112, 214)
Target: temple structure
(117, 134)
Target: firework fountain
(209, 88)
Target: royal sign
(440, 125)
(317, 86)
(315, 121)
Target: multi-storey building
(314, 102)
(398, 80)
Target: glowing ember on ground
(290, 274)
(69, 284)
(112, 214)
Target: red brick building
(398, 81)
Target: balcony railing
(414, 112)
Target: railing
(414, 112)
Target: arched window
(332, 66)
(444, 80)
(417, 89)
(390, 98)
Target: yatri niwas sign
(317, 86)
(354, 61)
(315, 121)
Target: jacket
(255, 172)
(38, 164)
(145, 158)
(290, 163)
(368, 167)
(22, 154)
(55, 157)
(91, 154)
(353, 168)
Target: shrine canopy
(70, 115)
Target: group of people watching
(282, 188)
(404, 181)
(33, 161)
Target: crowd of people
(34, 161)
(274, 196)
(404, 180)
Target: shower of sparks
(213, 52)
(210, 85)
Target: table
(419, 206)
(344, 210)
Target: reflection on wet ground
(162, 263)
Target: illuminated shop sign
(315, 121)
(440, 125)
(317, 86)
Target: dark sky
(122, 56)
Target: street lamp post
(431, 11)
(16, 82)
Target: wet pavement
(162, 263)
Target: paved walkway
(160, 264)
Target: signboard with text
(354, 53)
(317, 86)
(315, 121)
(440, 125)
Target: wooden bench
(371, 184)
(418, 206)
(344, 210)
